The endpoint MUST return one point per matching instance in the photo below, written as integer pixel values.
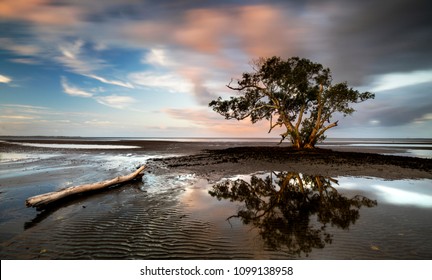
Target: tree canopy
(295, 93)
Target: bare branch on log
(43, 199)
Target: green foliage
(296, 92)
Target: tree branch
(326, 128)
(273, 125)
(300, 117)
(243, 87)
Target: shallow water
(77, 146)
(266, 215)
(362, 218)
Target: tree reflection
(281, 205)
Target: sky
(145, 68)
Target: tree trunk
(296, 143)
(308, 146)
(43, 199)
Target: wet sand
(167, 215)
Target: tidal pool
(291, 215)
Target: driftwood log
(44, 199)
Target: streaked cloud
(111, 82)
(396, 80)
(72, 56)
(18, 48)
(72, 90)
(169, 81)
(97, 122)
(29, 61)
(16, 117)
(5, 79)
(23, 107)
(115, 101)
(425, 118)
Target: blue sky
(149, 68)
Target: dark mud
(319, 161)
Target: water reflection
(284, 205)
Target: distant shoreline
(275, 139)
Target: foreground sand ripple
(149, 226)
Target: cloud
(5, 79)
(425, 118)
(97, 122)
(355, 40)
(370, 38)
(115, 101)
(156, 57)
(74, 59)
(162, 80)
(207, 46)
(395, 107)
(29, 61)
(265, 30)
(202, 30)
(24, 107)
(17, 48)
(39, 12)
(396, 80)
(259, 30)
(16, 117)
(111, 82)
(71, 90)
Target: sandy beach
(170, 214)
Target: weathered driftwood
(43, 199)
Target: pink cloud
(203, 29)
(39, 11)
(265, 31)
(260, 30)
(209, 46)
